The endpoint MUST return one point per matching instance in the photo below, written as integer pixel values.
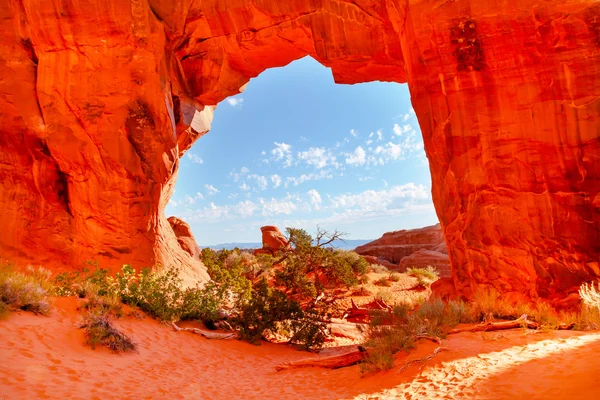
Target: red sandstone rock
(394, 246)
(97, 99)
(424, 258)
(272, 240)
(185, 238)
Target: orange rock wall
(96, 99)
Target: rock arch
(97, 99)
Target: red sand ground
(44, 357)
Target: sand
(45, 357)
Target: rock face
(424, 258)
(185, 238)
(100, 99)
(403, 249)
(394, 246)
(272, 240)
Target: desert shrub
(589, 316)
(28, 291)
(228, 269)
(394, 277)
(4, 310)
(108, 303)
(385, 340)
(384, 281)
(390, 333)
(380, 269)
(590, 295)
(99, 330)
(271, 311)
(487, 304)
(425, 276)
(307, 260)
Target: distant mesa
(400, 250)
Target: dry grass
(425, 276)
(383, 282)
(109, 303)
(389, 334)
(28, 291)
(100, 331)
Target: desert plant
(390, 333)
(29, 291)
(109, 303)
(384, 281)
(394, 277)
(425, 276)
(590, 295)
(271, 311)
(308, 264)
(99, 330)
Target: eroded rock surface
(97, 99)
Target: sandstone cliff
(403, 249)
(99, 99)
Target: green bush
(307, 261)
(29, 291)
(271, 311)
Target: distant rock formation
(272, 240)
(403, 249)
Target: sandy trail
(44, 357)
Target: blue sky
(295, 149)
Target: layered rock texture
(99, 99)
(404, 249)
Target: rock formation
(403, 249)
(185, 237)
(394, 246)
(99, 99)
(424, 258)
(272, 240)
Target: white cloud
(211, 190)
(244, 186)
(246, 208)
(297, 180)
(173, 203)
(315, 198)
(287, 205)
(238, 175)
(195, 158)
(261, 181)
(353, 133)
(276, 179)
(370, 200)
(235, 101)
(190, 200)
(232, 196)
(282, 151)
(358, 157)
(400, 130)
(318, 157)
